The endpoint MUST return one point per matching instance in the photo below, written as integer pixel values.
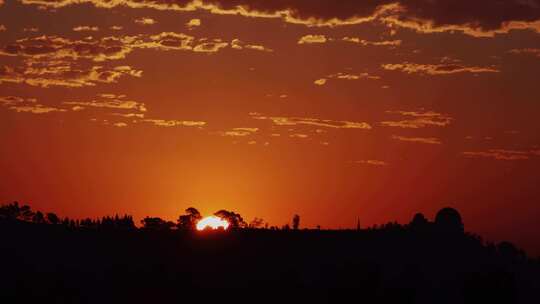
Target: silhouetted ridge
(49, 259)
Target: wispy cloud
(120, 124)
(145, 21)
(502, 154)
(321, 81)
(193, 23)
(345, 76)
(471, 18)
(64, 74)
(438, 69)
(371, 162)
(326, 123)
(238, 44)
(313, 39)
(418, 119)
(85, 28)
(527, 51)
(422, 140)
(364, 42)
(116, 47)
(28, 105)
(239, 132)
(117, 102)
(174, 123)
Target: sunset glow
(212, 222)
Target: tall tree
(53, 218)
(189, 220)
(235, 220)
(296, 221)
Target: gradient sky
(335, 110)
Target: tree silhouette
(26, 213)
(418, 223)
(10, 211)
(449, 220)
(296, 222)
(256, 223)
(235, 220)
(156, 224)
(53, 218)
(38, 218)
(189, 220)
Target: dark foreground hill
(43, 263)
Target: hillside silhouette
(49, 259)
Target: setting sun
(212, 222)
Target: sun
(212, 222)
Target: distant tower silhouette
(449, 220)
(358, 225)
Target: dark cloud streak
(472, 17)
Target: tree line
(187, 221)
(448, 221)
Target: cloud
(320, 82)
(210, 47)
(348, 76)
(298, 135)
(85, 28)
(503, 154)
(56, 61)
(312, 39)
(174, 123)
(293, 121)
(193, 23)
(372, 43)
(239, 45)
(529, 51)
(239, 132)
(372, 162)
(306, 12)
(2, 28)
(418, 120)
(345, 76)
(54, 48)
(120, 124)
(115, 47)
(438, 69)
(64, 75)
(319, 39)
(116, 28)
(14, 100)
(36, 109)
(129, 115)
(145, 21)
(30, 29)
(475, 18)
(114, 102)
(28, 105)
(423, 140)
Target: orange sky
(335, 110)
